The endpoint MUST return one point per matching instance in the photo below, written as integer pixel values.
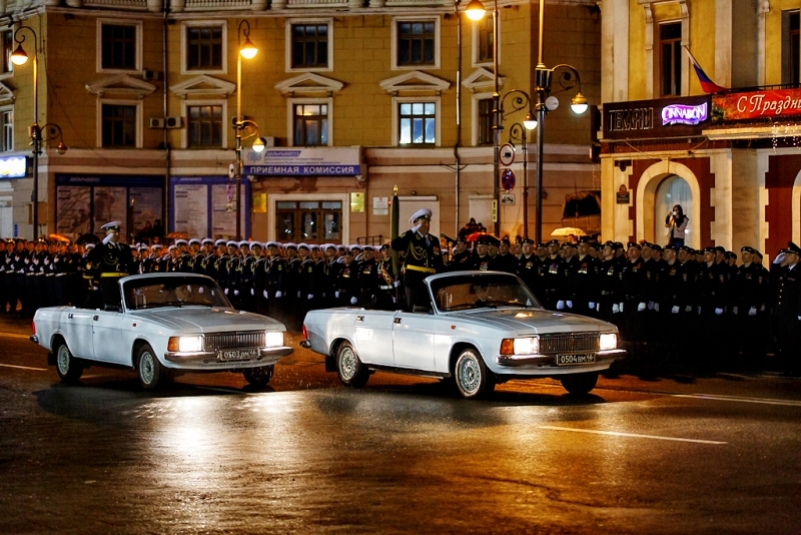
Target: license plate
(574, 360)
(238, 354)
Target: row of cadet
(652, 294)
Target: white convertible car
(482, 328)
(166, 324)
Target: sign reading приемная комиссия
(303, 161)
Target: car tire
(69, 368)
(350, 369)
(151, 372)
(580, 383)
(472, 378)
(259, 377)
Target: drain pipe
(456, 157)
(165, 137)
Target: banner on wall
(757, 104)
(303, 161)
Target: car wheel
(471, 375)
(151, 372)
(350, 369)
(68, 367)
(259, 377)
(580, 383)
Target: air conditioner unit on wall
(149, 75)
(155, 122)
(174, 122)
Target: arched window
(672, 191)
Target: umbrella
(87, 238)
(59, 238)
(564, 232)
(476, 235)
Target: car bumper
(603, 359)
(208, 359)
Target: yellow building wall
(637, 74)
(773, 39)
(702, 42)
(362, 110)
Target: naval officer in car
(109, 261)
(422, 258)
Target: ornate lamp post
(51, 131)
(542, 78)
(247, 50)
(520, 101)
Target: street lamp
(542, 76)
(247, 50)
(19, 57)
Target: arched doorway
(671, 191)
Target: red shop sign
(756, 104)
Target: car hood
(206, 320)
(535, 321)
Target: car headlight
(520, 346)
(608, 341)
(185, 344)
(273, 339)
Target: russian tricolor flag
(706, 84)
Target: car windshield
(173, 292)
(468, 292)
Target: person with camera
(676, 225)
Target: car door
(373, 336)
(413, 337)
(76, 324)
(107, 340)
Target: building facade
(732, 159)
(351, 98)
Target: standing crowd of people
(668, 302)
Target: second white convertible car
(482, 328)
(166, 324)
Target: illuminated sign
(304, 161)
(13, 167)
(657, 118)
(755, 104)
(683, 114)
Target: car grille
(569, 343)
(218, 341)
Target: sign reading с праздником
(756, 104)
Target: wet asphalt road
(676, 455)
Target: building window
(118, 46)
(205, 127)
(310, 124)
(7, 37)
(8, 130)
(118, 126)
(485, 131)
(416, 43)
(204, 48)
(309, 221)
(417, 122)
(485, 40)
(791, 47)
(670, 59)
(309, 45)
